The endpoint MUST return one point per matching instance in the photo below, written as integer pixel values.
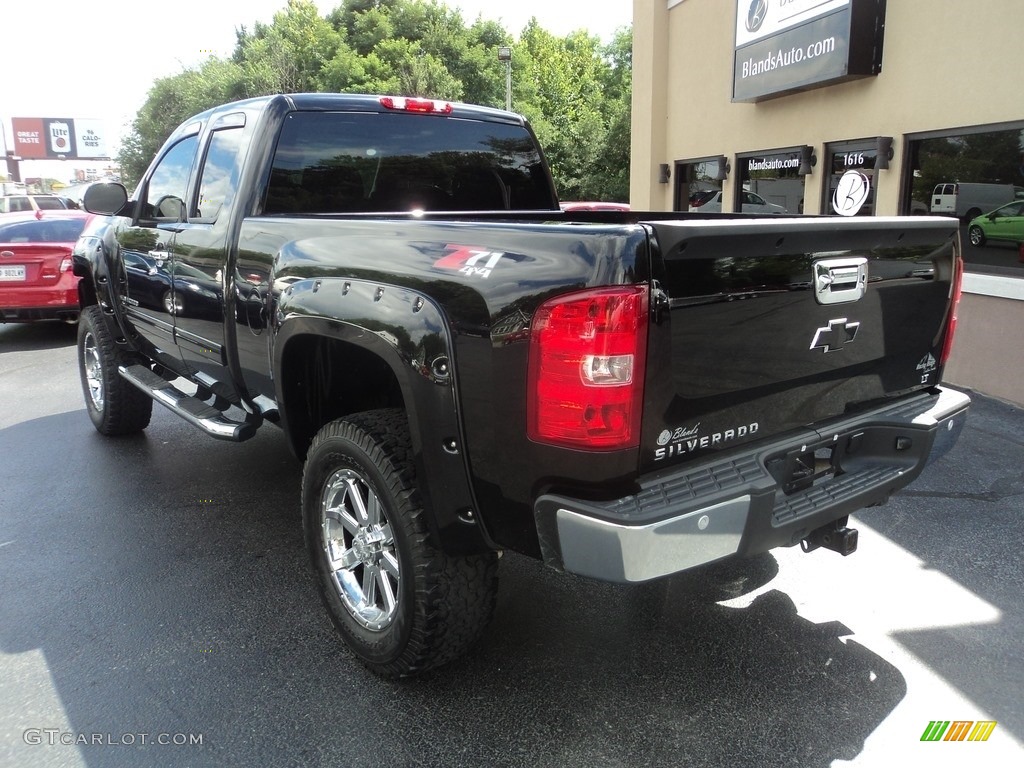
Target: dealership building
(844, 107)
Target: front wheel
(114, 405)
(173, 303)
(401, 605)
(976, 235)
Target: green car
(1004, 223)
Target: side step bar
(193, 410)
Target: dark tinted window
(42, 231)
(345, 162)
(19, 204)
(1010, 210)
(49, 203)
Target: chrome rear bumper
(668, 527)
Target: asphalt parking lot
(157, 610)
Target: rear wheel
(114, 405)
(976, 235)
(401, 604)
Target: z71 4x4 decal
(470, 261)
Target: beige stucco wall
(988, 355)
(946, 64)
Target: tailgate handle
(839, 281)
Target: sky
(98, 59)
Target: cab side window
(220, 173)
(165, 192)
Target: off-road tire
(115, 406)
(441, 603)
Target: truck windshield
(342, 162)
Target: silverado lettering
(464, 368)
(682, 443)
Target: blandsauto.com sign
(784, 46)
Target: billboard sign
(785, 46)
(59, 138)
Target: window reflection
(699, 185)
(970, 176)
(771, 183)
(165, 193)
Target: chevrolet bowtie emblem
(835, 335)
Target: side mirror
(106, 199)
(170, 207)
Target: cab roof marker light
(424, 106)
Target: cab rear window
(343, 162)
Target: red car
(36, 282)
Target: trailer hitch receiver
(835, 536)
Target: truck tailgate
(764, 326)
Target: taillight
(65, 264)
(586, 376)
(954, 307)
(425, 106)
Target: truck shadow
(964, 521)
(23, 337)
(158, 584)
(652, 675)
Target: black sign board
(829, 42)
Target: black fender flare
(410, 335)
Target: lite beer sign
(58, 138)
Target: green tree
(610, 174)
(287, 55)
(574, 91)
(171, 101)
(573, 94)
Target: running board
(193, 410)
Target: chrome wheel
(92, 369)
(174, 304)
(114, 405)
(401, 604)
(976, 235)
(360, 549)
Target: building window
(846, 159)
(770, 182)
(975, 175)
(698, 184)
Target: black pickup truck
(464, 368)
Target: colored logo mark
(958, 730)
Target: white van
(965, 200)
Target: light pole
(505, 54)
